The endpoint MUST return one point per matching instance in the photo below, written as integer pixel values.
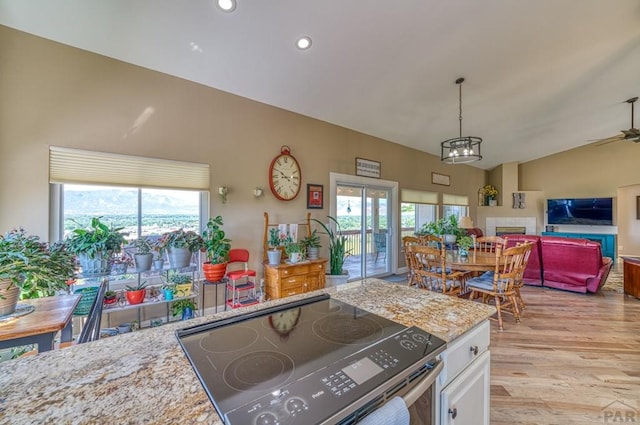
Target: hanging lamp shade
(461, 149)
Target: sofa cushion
(533, 273)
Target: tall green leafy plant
(98, 237)
(337, 245)
(216, 244)
(36, 267)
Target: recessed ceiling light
(226, 5)
(303, 43)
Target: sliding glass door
(365, 214)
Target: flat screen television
(583, 211)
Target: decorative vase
(179, 257)
(8, 297)
(493, 202)
(158, 264)
(312, 253)
(274, 256)
(336, 279)
(136, 297)
(295, 257)
(100, 264)
(187, 313)
(168, 294)
(464, 252)
(214, 272)
(183, 289)
(143, 262)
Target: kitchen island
(144, 377)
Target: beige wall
(57, 95)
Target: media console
(607, 240)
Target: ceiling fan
(632, 134)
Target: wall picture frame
(368, 168)
(441, 179)
(315, 199)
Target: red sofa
(570, 264)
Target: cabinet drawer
(463, 351)
(291, 282)
(293, 290)
(295, 270)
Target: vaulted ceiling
(541, 76)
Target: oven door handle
(419, 389)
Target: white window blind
(448, 199)
(68, 165)
(418, 197)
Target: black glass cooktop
(273, 353)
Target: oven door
(419, 397)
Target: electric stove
(314, 361)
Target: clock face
(284, 176)
(283, 322)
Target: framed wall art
(441, 179)
(367, 168)
(314, 196)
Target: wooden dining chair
(520, 277)
(431, 240)
(500, 286)
(409, 240)
(430, 272)
(489, 243)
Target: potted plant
(143, 256)
(445, 227)
(337, 253)
(182, 283)
(31, 268)
(312, 245)
(168, 290)
(464, 243)
(180, 245)
(217, 247)
(110, 297)
(136, 294)
(158, 254)
(120, 263)
(185, 307)
(293, 250)
(95, 246)
(274, 253)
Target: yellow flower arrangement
(490, 191)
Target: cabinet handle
(474, 350)
(453, 412)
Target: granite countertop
(144, 377)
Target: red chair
(240, 294)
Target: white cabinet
(465, 401)
(463, 386)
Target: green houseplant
(274, 253)
(95, 246)
(217, 247)
(143, 256)
(136, 294)
(294, 250)
(312, 245)
(31, 268)
(464, 243)
(445, 226)
(182, 283)
(337, 249)
(180, 245)
(184, 307)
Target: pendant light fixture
(460, 150)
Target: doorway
(364, 207)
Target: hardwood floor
(573, 359)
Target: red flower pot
(214, 272)
(136, 297)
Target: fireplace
(514, 230)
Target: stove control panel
(346, 383)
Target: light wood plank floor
(573, 359)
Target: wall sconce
(257, 192)
(222, 191)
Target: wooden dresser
(284, 279)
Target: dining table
(476, 261)
(45, 318)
